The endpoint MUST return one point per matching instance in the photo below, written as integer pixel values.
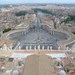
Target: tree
(43, 11)
(21, 13)
(6, 30)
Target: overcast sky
(35, 1)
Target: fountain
(34, 47)
(42, 47)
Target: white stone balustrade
(30, 47)
(34, 47)
(42, 47)
(47, 47)
(50, 47)
(26, 47)
(39, 47)
(59, 48)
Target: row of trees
(43, 11)
(6, 30)
(21, 13)
(69, 19)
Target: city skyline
(33, 1)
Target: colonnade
(39, 48)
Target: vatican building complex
(36, 45)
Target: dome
(15, 72)
(19, 59)
(58, 59)
(62, 72)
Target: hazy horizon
(37, 2)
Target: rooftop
(35, 62)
